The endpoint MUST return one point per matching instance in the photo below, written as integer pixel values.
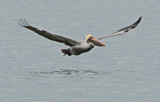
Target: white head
(94, 41)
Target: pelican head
(94, 41)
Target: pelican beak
(97, 42)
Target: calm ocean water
(33, 69)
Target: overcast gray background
(33, 69)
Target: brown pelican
(77, 47)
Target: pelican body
(76, 47)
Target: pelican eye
(90, 38)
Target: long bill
(97, 42)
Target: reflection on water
(74, 72)
(69, 72)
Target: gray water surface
(33, 69)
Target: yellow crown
(88, 36)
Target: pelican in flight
(76, 47)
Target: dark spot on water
(70, 72)
(75, 73)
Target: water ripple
(70, 72)
(80, 73)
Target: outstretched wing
(54, 37)
(123, 30)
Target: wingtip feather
(138, 21)
(23, 22)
